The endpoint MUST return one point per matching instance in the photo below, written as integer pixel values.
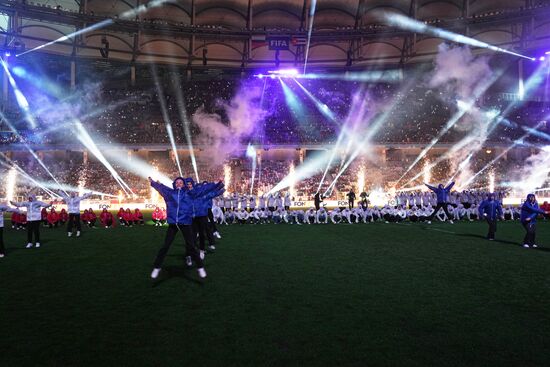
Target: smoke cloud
(461, 77)
(244, 119)
(458, 72)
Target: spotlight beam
(166, 118)
(19, 97)
(534, 80)
(309, 31)
(11, 164)
(85, 138)
(35, 156)
(323, 108)
(292, 101)
(77, 189)
(493, 161)
(185, 122)
(362, 145)
(464, 107)
(466, 141)
(138, 166)
(313, 166)
(409, 24)
(343, 133)
(129, 14)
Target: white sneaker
(202, 272)
(37, 245)
(1, 256)
(525, 245)
(155, 273)
(217, 234)
(77, 233)
(451, 222)
(69, 234)
(212, 247)
(106, 226)
(188, 261)
(535, 246)
(201, 254)
(429, 222)
(29, 245)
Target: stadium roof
(235, 33)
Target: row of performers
(356, 215)
(51, 218)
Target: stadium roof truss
(235, 33)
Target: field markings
(440, 230)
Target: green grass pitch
(279, 295)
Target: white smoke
(221, 139)
(461, 76)
(459, 72)
(534, 172)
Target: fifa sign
(278, 43)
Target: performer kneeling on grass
(63, 217)
(442, 194)
(138, 217)
(73, 204)
(490, 209)
(179, 204)
(52, 218)
(156, 216)
(106, 218)
(33, 218)
(3, 209)
(529, 211)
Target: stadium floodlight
(129, 14)
(389, 76)
(284, 73)
(413, 25)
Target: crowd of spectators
(135, 115)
